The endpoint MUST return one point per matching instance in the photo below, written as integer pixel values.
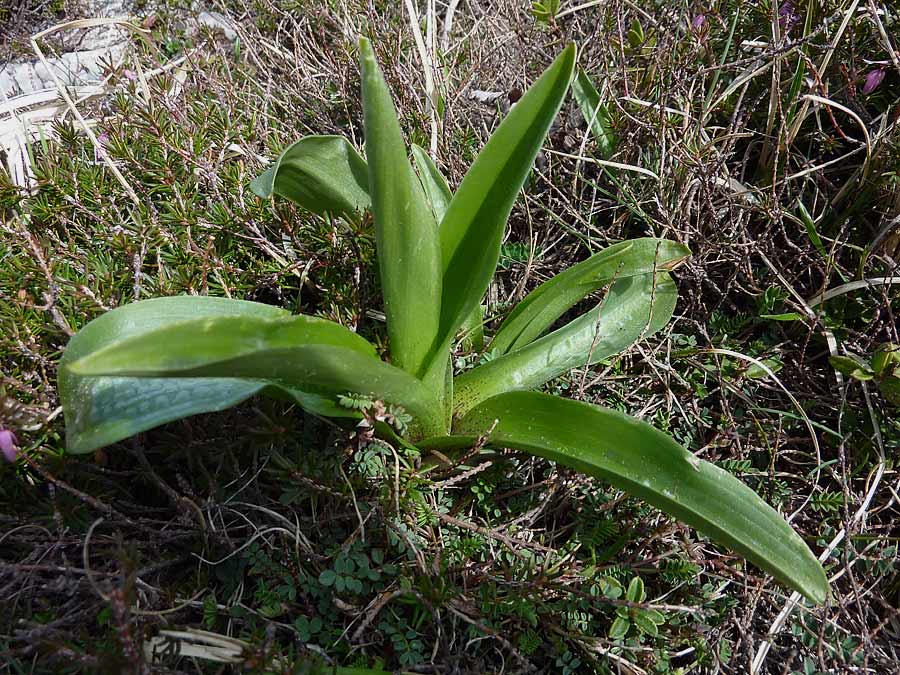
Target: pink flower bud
(873, 79)
(8, 445)
(699, 23)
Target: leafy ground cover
(763, 137)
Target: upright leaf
(644, 462)
(595, 113)
(103, 410)
(439, 195)
(549, 301)
(472, 229)
(406, 234)
(314, 356)
(323, 174)
(633, 308)
(434, 183)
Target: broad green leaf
(619, 628)
(103, 410)
(433, 182)
(635, 592)
(439, 195)
(472, 229)
(405, 231)
(315, 356)
(852, 367)
(763, 369)
(472, 330)
(323, 174)
(886, 357)
(595, 113)
(645, 623)
(193, 342)
(318, 404)
(549, 301)
(633, 308)
(646, 463)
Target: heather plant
(159, 360)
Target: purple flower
(699, 23)
(787, 16)
(873, 79)
(102, 140)
(8, 445)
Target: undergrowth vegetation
(762, 137)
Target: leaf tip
(366, 53)
(570, 55)
(818, 590)
(264, 184)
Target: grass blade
(595, 114)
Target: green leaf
(611, 587)
(103, 410)
(619, 628)
(473, 227)
(405, 231)
(635, 592)
(633, 308)
(852, 367)
(549, 301)
(788, 316)
(886, 357)
(439, 196)
(545, 11)
(644, 623)
(757, 372)
(472, 330)
(810, 226)
(890, 389)
(323, 174)
(302, 353)
(433, 182)
(654, 616)
(195, 342)
(646, 463)
(595, 114)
